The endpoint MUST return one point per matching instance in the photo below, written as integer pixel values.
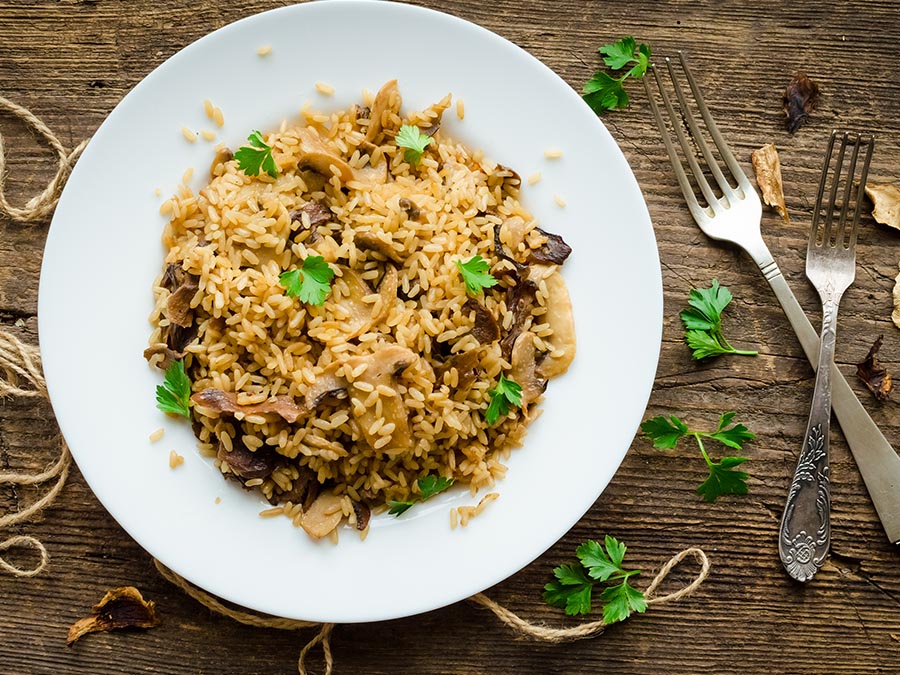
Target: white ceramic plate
(104, 250)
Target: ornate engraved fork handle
(805, 535)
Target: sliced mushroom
(178, 305)
(246, 463)
(318, 214)
(323, 516)
(520, 300)
(369, 241)
(501, 253)
(506, 176)
(485, 328)
(559, 316)
(304, 485)
(363, 514)
(373, 175)
(554, 252)
(382, 366)
(524, 370)
(361, 315)
(169, 356)
(327, 386)
(387, 100)
(412, 211)
(465, 364)
(316, 155)
(226, 401)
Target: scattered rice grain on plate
(553, 154)
(265, 50)
(218, 500)
(157, 192)
(208, 135)
(189, 135)
(187, 175)
(454, 518)
(218, 117)
(270, 513)
(534, 178)
(157, 435)
(175, 460)
(460, 109)
(559, 201)
(324, 88)
(208, 108)
(487, 499)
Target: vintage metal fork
(805, 535)
(735, 217)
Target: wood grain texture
(71, 61)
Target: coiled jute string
(20, 367)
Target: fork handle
(876, 459)
(805, 535)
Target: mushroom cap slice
(323, 516)
(559, 316)
(524, 370)
(387, 99)
(315, 154)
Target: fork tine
(722, 146)
(698, 137)
(854, 229)
(832, 196)
(698, 212)
(814, 228)
(848, 189)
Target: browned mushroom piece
(178, 305)
(302, 486)
(386, 106)
(520, 300)
(500, 252)
(485, 328)
(318, 214)
(554, 251)
(559, 316)
(169, 356)
(507, 176)
(246, 463)
(432, 128)
(465, 364)
(412, 211)
(373, 175)
(323, 515)
(226, 402)
(363, 514)
(318, 156)
(524, 370)
(382, 367)
(369, 241)
(179, 337)
(327, 387)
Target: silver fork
(735, 218)
(805, 534)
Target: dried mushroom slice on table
(122, 607)
(886, 203)
(876, 378)
(800, 99)
(767, 166)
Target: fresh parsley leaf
(411, 137)
(605, 92)
(570, 590)
(507, 393)
(475, 274)
(255, 157)
(174, 394)
(431, 485)
(703, 322)
(665, 433)
(572, 586)
(398, 508)
(311, 282)
(722, 479)
(620, 601)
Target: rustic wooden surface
(71, 61)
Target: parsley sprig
(429, 486)
(310, 283)
(174, 394)
(256, 157)
(475, 274)
(703, 322)
(507, 393)
(411, 137)
(603, 91)
(574, 583)
(723, 479)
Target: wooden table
(71, 62)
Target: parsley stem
(731, 350)
(697, 435)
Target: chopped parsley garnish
(573, 584)
(723, 479)
(174, 394)
(411, 137)
(507, 393)
(703, 322)
(605, 92)
(256, 157)
(429, 486)
(311, 283)
(475, 274)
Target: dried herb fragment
(122, 607)
(895, 315)
(886, 202)
(874, 376)
(800, 99)
(768, 176)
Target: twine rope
(41, 206)
(22, 377)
